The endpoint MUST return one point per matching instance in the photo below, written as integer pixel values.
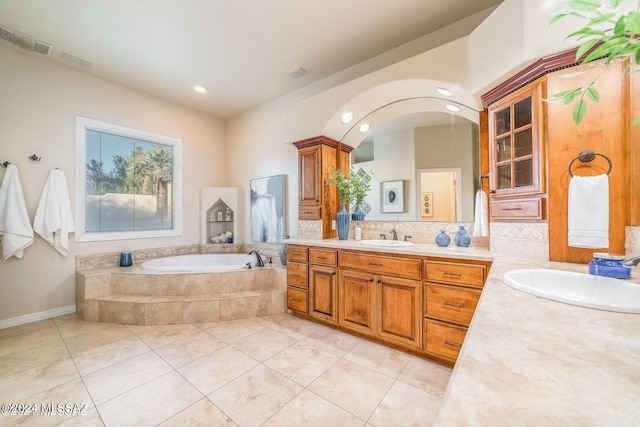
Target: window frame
(82, 125)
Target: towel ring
(5, 164)
(587, 156)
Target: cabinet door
(322, 288)
(356, 301)
(309, 163)
(399, 310)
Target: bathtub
(202, 262)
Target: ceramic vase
(443, 239)
(462, 238)
(342, 220)
(358, 214)
(283, 253)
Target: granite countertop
(532, 361)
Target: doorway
(438, 194)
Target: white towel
(481, 223)
(53, 220)
(588, 212)
(15, 228)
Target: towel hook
(5, 164)
(34, 158)
(588, 156)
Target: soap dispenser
(358, 232)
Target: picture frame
(267, 204)
(427, 204)
(392, 195)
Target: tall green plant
(608, 33)
(343, 185)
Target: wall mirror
(434, 151)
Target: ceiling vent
(25, 42)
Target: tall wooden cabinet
(316, 157)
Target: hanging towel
(588, 212)
(53, 219)
(481, 223)
(15, 229)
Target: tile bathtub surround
(301, 373)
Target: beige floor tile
(121, 377)
(378, 357)
(166, 334)
(332, 340)
(352, 387)
(426, 376)
(150, 403)
(25, 329)
(188, 349)
(16, 387)
(71, 317)
(254, 397)
(30, 358)
(91, 340)
(310, 410)
(108, 354)
(70, 328)
(302, 362)
(289, 325)
(392, 411)
(233, 330)
(264, 344)
(90, 419)
(202, 413)
(13, 343)
(216, 369)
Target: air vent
(25, 42)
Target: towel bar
(587, 156)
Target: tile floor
(276, 370)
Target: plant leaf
(618, 29)
(601, 18)
(574, 74)
(636, 122)
(593, 94)
(558, 16)
(579, 111)
(587, 5)
(585, 47)
(615, 3)
(633, 23)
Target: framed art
(427, 204)
(268, 209)
(392, 196)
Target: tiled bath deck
(273, 370)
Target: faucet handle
(406, 237)
(383, 236)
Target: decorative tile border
(632, 241)
(529, 240)
(112, 259)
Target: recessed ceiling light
(347, 117)
(452, 108)
(364, 127)
(443, 91)
(200, 89)
(298, 72)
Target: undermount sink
(584, 290)
(386, 243)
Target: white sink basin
(584, 290)
(386, 243)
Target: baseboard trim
(28, 318)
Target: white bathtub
(205, 262)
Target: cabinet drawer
(443, 340)
(297, 275)
(451, 303)
(401, 267)
(297, 300)
(516, 209)
(296, 253)
(323, 257)
(309, 212)
(451, 272)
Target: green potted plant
(344, 187)
(361, 185)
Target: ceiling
(241, 50)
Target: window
(127, 183)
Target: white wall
(37, 116)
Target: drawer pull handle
(512, 209)
(446, 273)
(448, 304)
(295, 275)
(371, 280)
(296, 300)
(373, 264)
(321, 257)
(452, 344)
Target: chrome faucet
(631, 262)
(260, 262)
(394, 233)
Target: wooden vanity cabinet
(323, 284)
(297, 279)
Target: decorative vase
(342, 219)
(443, 239)
(462, 238)
(358, 214)
(283, 253)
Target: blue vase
(342, 219)
(358, 214)
(443, 239)
(462, 238)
